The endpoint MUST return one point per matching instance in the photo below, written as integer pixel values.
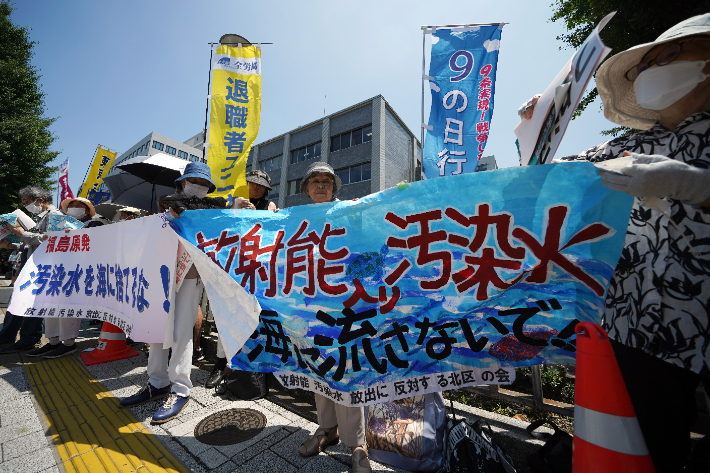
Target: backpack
(556, 455)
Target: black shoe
(215, 377)
(17, 347)
(61, 350)
(44, 350)
(198, 354)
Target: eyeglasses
(323, 183)
(666, 56)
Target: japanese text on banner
(375, 291)
(99, 169)
(234, 117)
(462, 77)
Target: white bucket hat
(617, 92)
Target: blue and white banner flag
(430, 286)
(462, 77)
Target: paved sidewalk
(50, 409)
(33, 439)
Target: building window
(147, 145)
(248, 168)
(274, 196)
(482, 167)
(170, 150)
(305, 153)
(351, 138)
(158, 145)
(354, 174)
(294, 187)
(271, 164)
(194, 158)
(182, 154)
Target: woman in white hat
(657, 307)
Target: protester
(163, 368)
(334, 420)
(657, 305)
(81, 209)
(39, 202)
(259, 185)
(128, 213)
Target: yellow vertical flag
(234, 117)
(99, 169)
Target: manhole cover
(230, 426)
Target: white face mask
(195, 190)
(76, 213)
(659, 87)
(35, 209)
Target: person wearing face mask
(39, 202)
(81, 209)
(164, 369)
(658, 303)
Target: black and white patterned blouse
(659, 297)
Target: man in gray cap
(657, 312)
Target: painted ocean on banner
(482, 270)
(462, 77)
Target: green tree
(25, 138)
(636, 22)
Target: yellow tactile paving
(89, 429)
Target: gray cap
(617, 92)
(320, 168)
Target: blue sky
(113, 72)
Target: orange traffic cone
(607, 436)
(112, 346)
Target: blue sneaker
(170, 409)
(148, 393)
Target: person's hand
(658, 176)
(243, 204)
(6, 244)
(16, 230)
(526, 110)
(174, 213)
(44, 237)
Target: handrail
(535, 399)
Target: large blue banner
(445, 280)
(462, 76)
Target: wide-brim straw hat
(617, 92)
(320, 168)
(259, 177)
(65, 204)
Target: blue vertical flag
(462, 77)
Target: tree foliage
(24, 135)
(636, 22)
